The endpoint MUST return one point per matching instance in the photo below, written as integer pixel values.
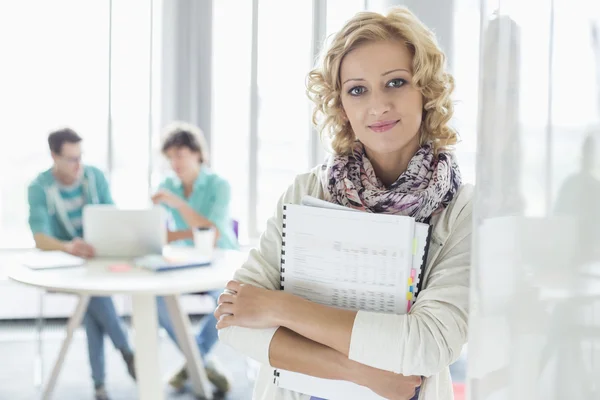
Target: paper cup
(204, 241)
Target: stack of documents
(349, 259)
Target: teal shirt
(210, 197)
(74, 200)
(56, 210)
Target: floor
(18, 346)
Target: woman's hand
(397, 387)
(248, 306)
(387, 384)
(168, 198)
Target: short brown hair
(57, 138)
(182, 134)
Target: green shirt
(210, 197)
(56, 210)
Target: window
(135, 51)
(231, 102)
(65, 64)
(464, 61)
(284, 130)
(340, 11)
(284, 112)
(544, 131)
(283, 108)
(58, 76)
(575, 88)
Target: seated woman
(195, 198)
(383, 93)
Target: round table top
(99, 277)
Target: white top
(422, 343)
(96, 277)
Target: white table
(95, 279)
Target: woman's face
(382, 106)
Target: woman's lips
(383, 126)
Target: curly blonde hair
(429, 77)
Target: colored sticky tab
(411, 289)
(410, 281)
(119, 267)
(414, 246)
(413, 272)
(409, 296)
(408, 305)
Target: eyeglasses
(71, 160)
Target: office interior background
(117, 71)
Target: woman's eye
(356, 91)
(395, 83)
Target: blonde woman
(383, 95)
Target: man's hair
(56, 139)
(182, 134)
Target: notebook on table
(353, 260)
(52, 259)
(160, 263)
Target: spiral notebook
(352, 260)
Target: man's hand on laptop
(78, 247)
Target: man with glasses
(56, 200)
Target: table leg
(187, 343)
(145, 323)
(38, 366)
(74, 323)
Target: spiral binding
(281, 277)
(419, 279)
(282, 268)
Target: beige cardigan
(424, 342)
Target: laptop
(115, 232)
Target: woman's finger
(226, 308)
(226, 321)
(233, 286)
(226, 298)
(222, 309)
